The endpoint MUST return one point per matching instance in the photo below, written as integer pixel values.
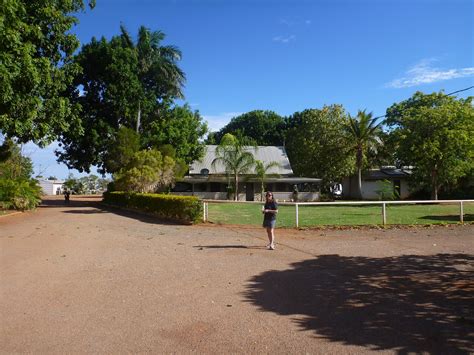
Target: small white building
(52, 187)
(371, 183)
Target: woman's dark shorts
(269, 224)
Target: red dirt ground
(84, 278)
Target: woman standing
(269, 218)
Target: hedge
(188, 209)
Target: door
(249, 191)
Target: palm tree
(158, 69)
(363, 133)
(236, 160)
(261, 170)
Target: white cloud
(216, 122)
(284, 39)
(424, 73)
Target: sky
(291, 55)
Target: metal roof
(387, 173)
(266, 154)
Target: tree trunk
(434, 184)
(359, 172)
(236, 193)
(139, 115)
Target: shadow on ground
(407, 303)
(59, 203)
(237, 246)
(450, 218)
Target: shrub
(19, 194)
(180, 208)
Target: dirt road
(80, 278)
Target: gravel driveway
(80, 278)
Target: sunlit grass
(250, 214)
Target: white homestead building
(51, 187)
(212, 182)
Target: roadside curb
(10, 214)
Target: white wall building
(51, 187)
(210, 181)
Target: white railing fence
(382, 204)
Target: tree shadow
(406, 303)
(237, 246)
(450, 218)
(72, 203)
(83, 211)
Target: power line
(455, 92)
(451, 93)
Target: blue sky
(290, 55)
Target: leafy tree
(235, 159)
(121, 82)
(17, 189)
(262, 127)
(157, 67)
(434, 133)
(261, 172)
(179, 127)
(13, 165)
(36, 69)
(317, 146)
(122, 150)
(363, 133)
(148, 171)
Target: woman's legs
(271, 237)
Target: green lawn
(250, 214)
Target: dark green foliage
(130, 86)
(261, 127)
(13, 165)
(19, 194)
(187, 209)
(434, 133)
(179, 127)
(122, 150)
(317, 146)
(36, 69)
(17, 189)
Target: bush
(186, 209)
(19, 194)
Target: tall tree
(120, 82)
(262, 127)
(364, 134)
(157, 68)
(36, 69)
(434, 133)
(179, 127)
(147, 171)
(317, 146)
(235, 159)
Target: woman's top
(269, 216)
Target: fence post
(297, 216)
(204, 217)
(384, 214)
(461, 212)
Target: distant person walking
(270, 210)
(67, 195)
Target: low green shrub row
(188, 209)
